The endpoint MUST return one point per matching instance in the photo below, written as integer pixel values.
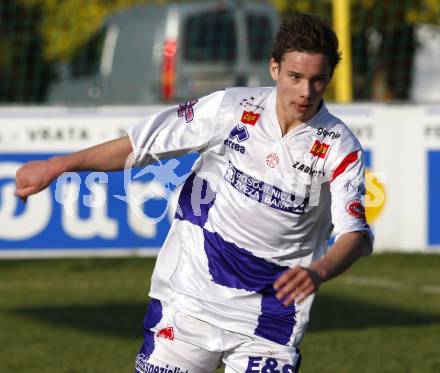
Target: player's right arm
(35, 176)
(171, 132)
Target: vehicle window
(260, 37)
(87, 60)
(210, 36)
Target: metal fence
(395, 45)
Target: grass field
(84, 315)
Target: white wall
(404, 141)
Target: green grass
(85, 315)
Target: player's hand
(296, 284)
(33, 177)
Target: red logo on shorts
(319, 149)
(249, 117)
(167, 333)
(356, 209)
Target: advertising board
(92, 214)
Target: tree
(23, 70)
(66, 25)
(383, 41)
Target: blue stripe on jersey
(195, 200)
(151, 319)
(153, 314)
(237, 268)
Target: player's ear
(274, 69)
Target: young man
(247, 250)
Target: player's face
(301, 81)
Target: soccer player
(247, 250)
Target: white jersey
(256, 204)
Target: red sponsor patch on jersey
(356, 209)
(167, 333)
(249, 117)
(319, 149)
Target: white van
(426, 70)
(162, 54)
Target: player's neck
(286, 122)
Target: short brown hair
(306, 33)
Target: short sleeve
(347, 187)
(177, 130)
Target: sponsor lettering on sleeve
(186, 109)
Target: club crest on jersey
(186, 109)
(166, 333)
(249, 117)
(319, 149)
(272, 160)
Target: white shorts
(178, 343)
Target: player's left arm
(298, 283)
(353, 235)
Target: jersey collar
(307, 126)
